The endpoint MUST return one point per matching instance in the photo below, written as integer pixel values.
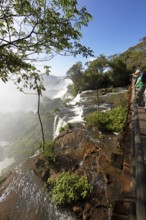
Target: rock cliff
(80, 150)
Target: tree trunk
(41, 124)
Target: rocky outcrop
(80, 150)
(84, 153)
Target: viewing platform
(131, 204)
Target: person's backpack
(143, 77)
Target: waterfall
(72, 113)
(58, 123)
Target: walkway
(131, 204)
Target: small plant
(69, 187)
(66, 127)
(48, 153)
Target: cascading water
(76, 109)
(58, 123)
(24, 197)
(72, 113)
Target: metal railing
(138, 157)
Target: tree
(35, 30)
(98, 65)
(75, 73)
(95, 76)
(119, 73)
(92, 78)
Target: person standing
(139, 88)
(135, 76)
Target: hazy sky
(116, 26)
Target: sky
(116, 26)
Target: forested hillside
(112, 71)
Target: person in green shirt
(139, 88)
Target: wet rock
(85, 155)
(79, 152)
(23, 196)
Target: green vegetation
(53, 28)
(135, 57)
(104, 72)
(48, 153)
(69, 187)
(112, 120)
(100, 73)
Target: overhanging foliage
(35, 30)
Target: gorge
(23, 195)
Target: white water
(73, 113)
(58, 123)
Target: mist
(19, 128)
(12, 100)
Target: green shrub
(117, 117)
(112, 120)
(96, 119)
(69, 187)
(48, 153)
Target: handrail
(140, 178)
